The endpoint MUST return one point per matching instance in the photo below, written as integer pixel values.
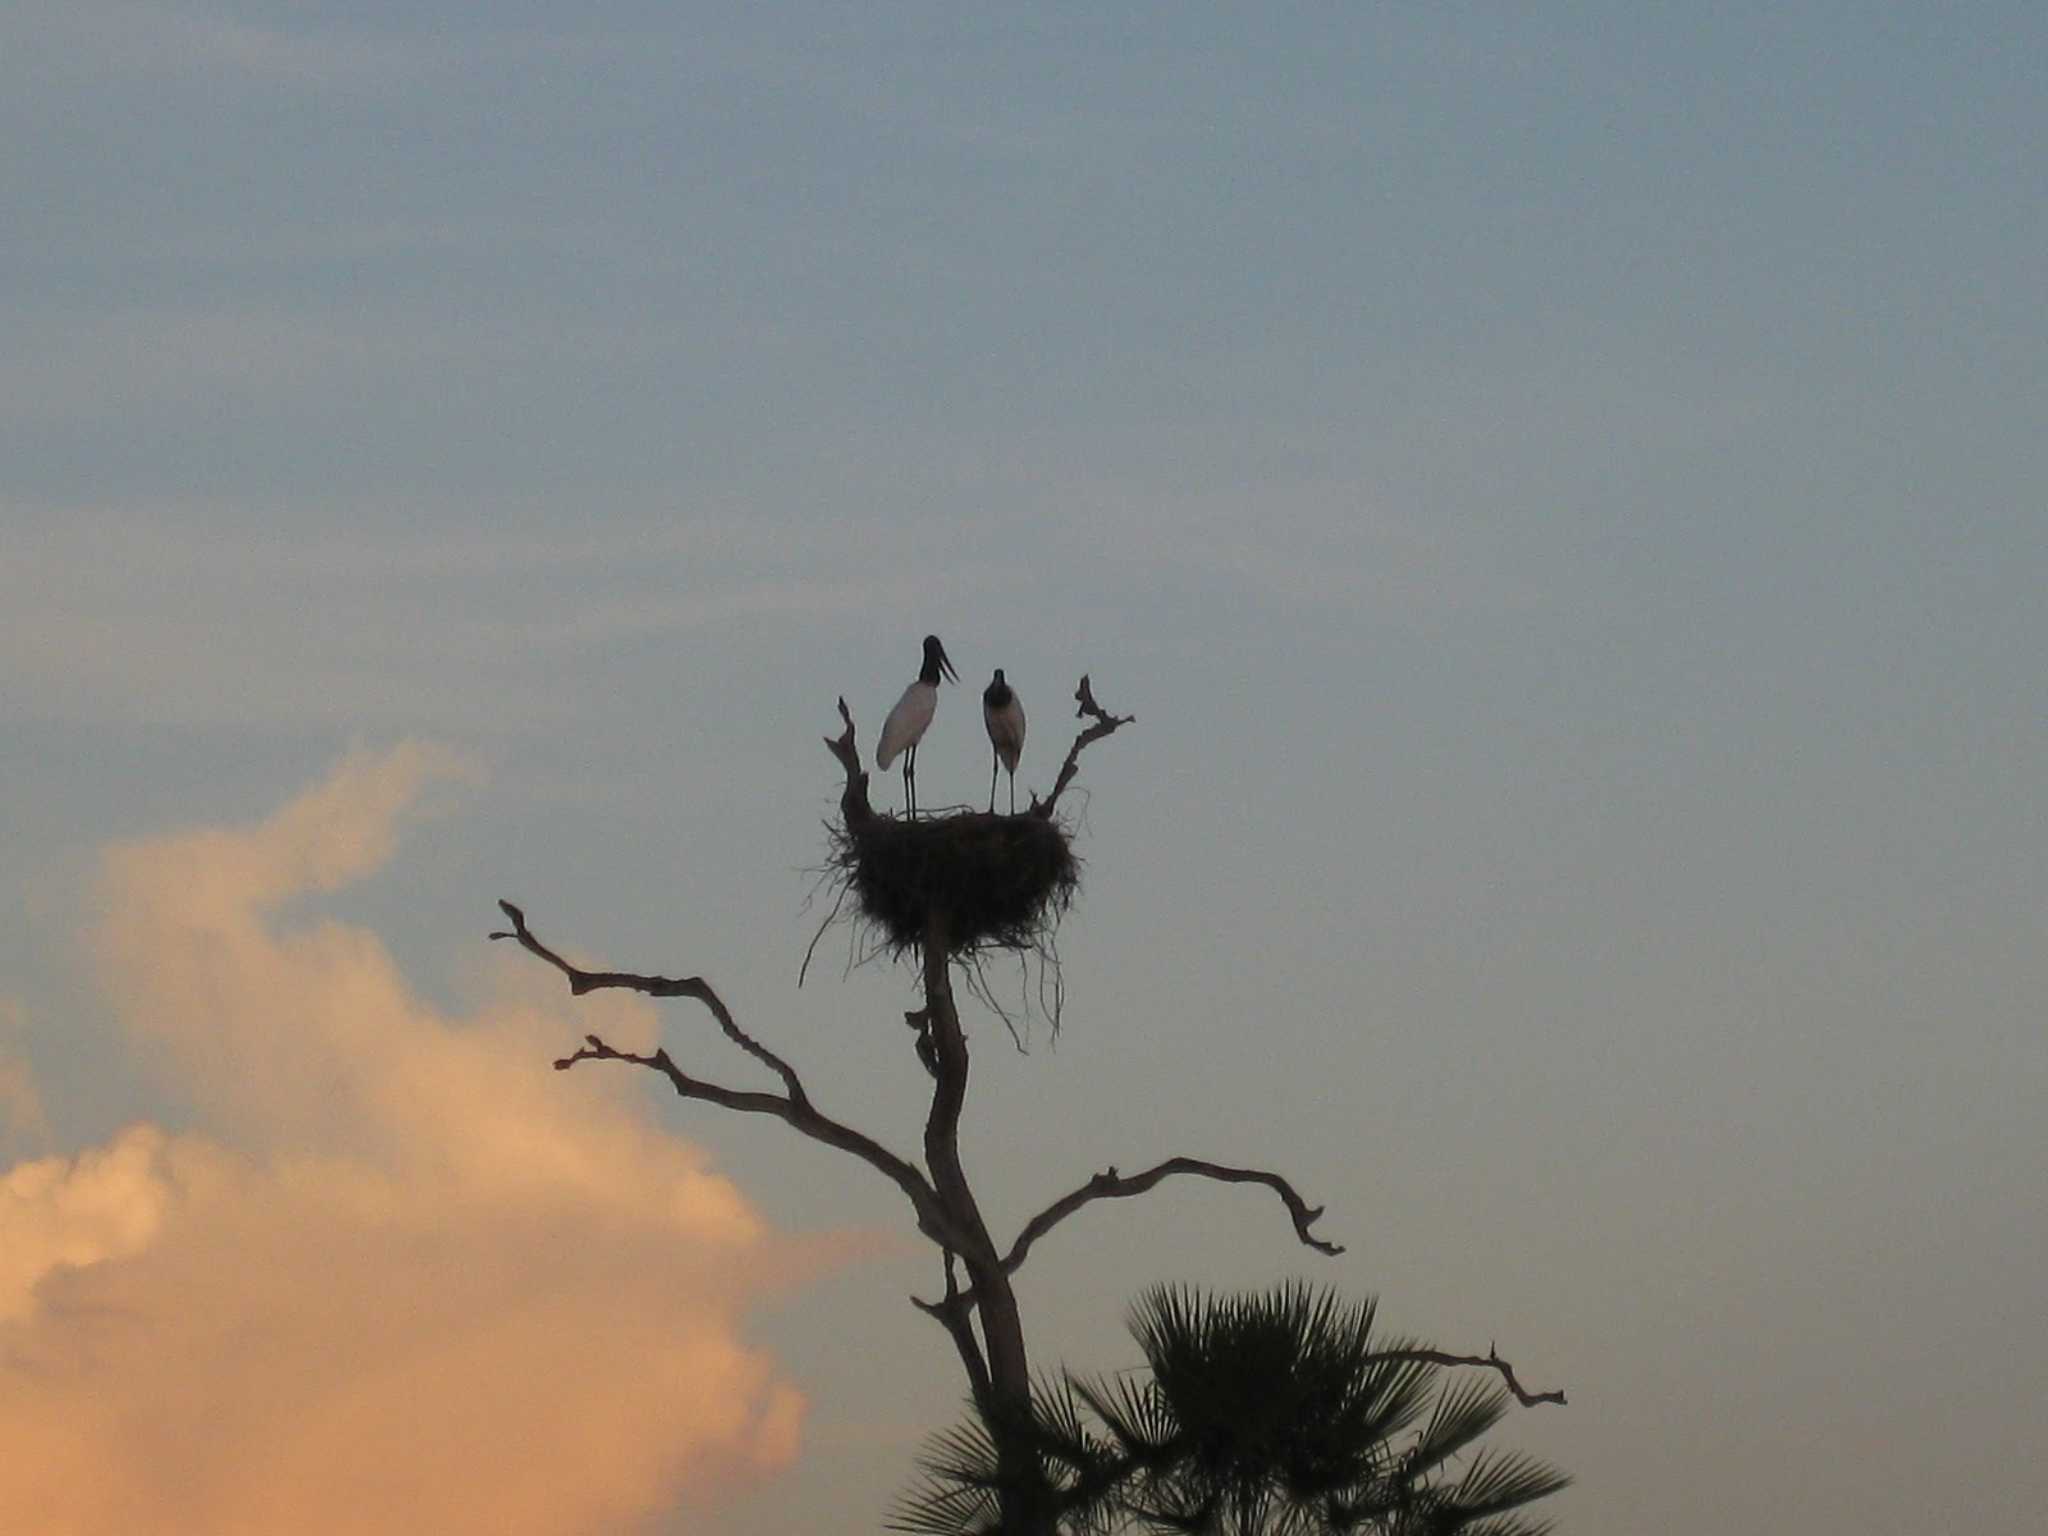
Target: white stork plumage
(912, 716)
(1003, 713)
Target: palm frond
(955, 1493)
(964, 1452)
(1133, 1412)
(1507, 1525)
(1498, 1481)
(1465, 1410)
(1058, 1410)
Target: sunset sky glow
(1561, 489)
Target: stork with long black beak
(1003, 713)
(912, 716)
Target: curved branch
(582, 981)
(799, 1115)
(1105, 725)
(793, 1106)
(1491, 1361)
(1114, 1186)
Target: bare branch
(744, 1101)
(953, 1313)
(581, 981)
(1491, 1361)
(1105, 724)
(1114, 1186)
(854, 809)
(800, 1115)
(794, 1107)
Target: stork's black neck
(930, 673)
(996, 695)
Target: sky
(1559, 487)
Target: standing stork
(912, 716)
(1003, 713)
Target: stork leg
(994, 760)
(910, 782)
(1013, 791)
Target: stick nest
(1001, 882)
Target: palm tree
(1274, 1414)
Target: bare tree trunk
(1007, 1393)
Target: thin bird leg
(1013, 791)
(994, 761)
(910, 783)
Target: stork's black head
(935, 661)
(997, 693)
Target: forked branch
(953, 1313)
(1105, 724)
(792, 1106)
(854, 810)
(1115, 1186)
(582, 981)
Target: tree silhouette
(1277, 1414)
(941, 889)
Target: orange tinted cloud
(409, 1278)
(21, 1106)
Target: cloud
(407, 1278)
(21, 1103)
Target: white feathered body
(907, 722)
(1005, 724)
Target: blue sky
(1560, 488)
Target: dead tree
(942, 909)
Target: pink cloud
(407, 1279)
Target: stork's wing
(1006, 730)
(906, 722)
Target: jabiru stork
(1003, 713)
(912, 717)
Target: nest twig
(993, 882)
(999, 882)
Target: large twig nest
(997, 882)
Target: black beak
(946, 665)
